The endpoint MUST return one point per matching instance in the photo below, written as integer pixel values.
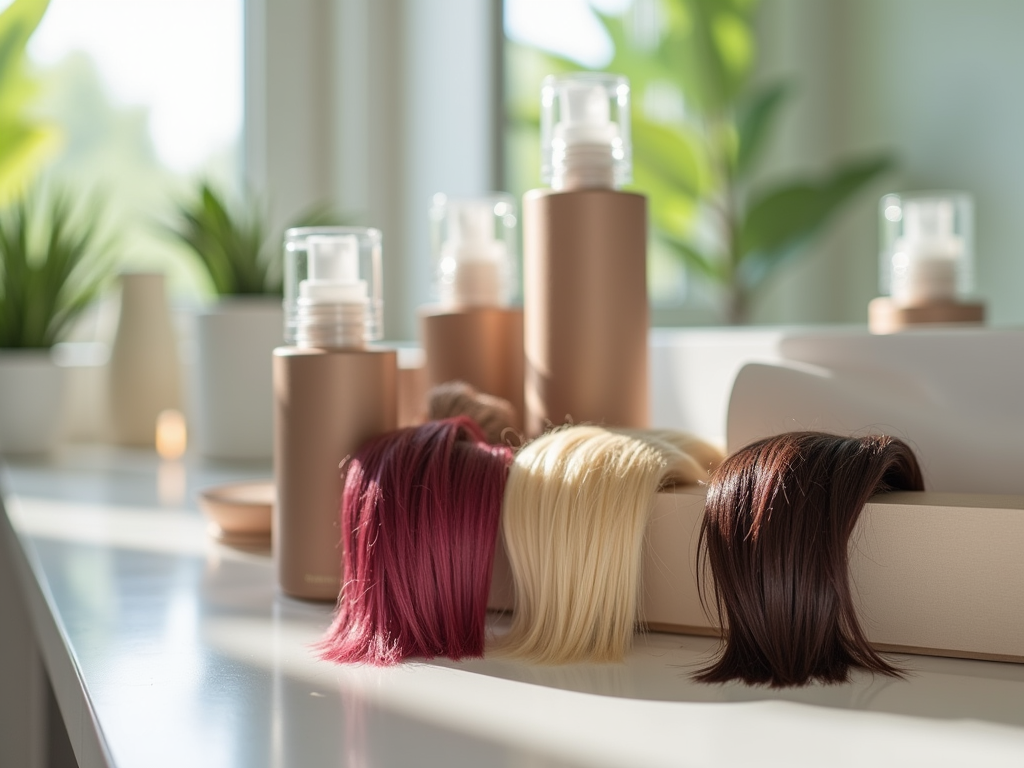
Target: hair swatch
(576, 509)
(419, 520)
(775, 533)
(494, 414)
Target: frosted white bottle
(474, 334)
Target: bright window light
(180, 58)
(564, 27)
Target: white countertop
(168, 649)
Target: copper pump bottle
(473, 335)
(585, 263)
(331, 394)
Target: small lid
(332, 286)
(585, 131)
(474, 245)
(926, 247)
(333, 270)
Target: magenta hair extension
(419, 518)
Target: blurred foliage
(110, 141)
(26, 142)
(97, 139)
(232, 243)
(53, 263)
(54, 260)
(699, 129)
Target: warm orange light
(171, 435)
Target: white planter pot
(234, 400)
(31, 400)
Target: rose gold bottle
(332, 393)
(585, 263)
(473, 335)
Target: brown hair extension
(776, 528)
(494, 414)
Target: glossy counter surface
(168, 649)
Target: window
(147, 95)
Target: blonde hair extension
(703, 457)
(575, 515)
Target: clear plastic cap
(927, 247)
(474, 250)
(332, 287)
(584, 131)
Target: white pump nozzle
(472, 224)
(333, 271)
(332, 287)
(586, 118)
(585, 131)
(925, 262)
(472, 259)
(473, 243)
(333, 259)
(930, 222)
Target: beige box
(934, 573)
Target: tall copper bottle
(586, 315)
(482, 346)
(328, 402)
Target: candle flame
(171, 434)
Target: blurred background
(808, 109)
(141, 98)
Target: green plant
(25, 142)
(699, 167)
(233, 245)
(53, 264)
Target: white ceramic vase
(145, 373)
(233, 389)
(31, 401)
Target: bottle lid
(584, 123)
(474, 247)
(927, 247)
(332, 286)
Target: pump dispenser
(332, 392)
(473, 334)
(585, 262)
(926, 262)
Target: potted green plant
(53, 264)
(236, 334)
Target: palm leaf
(693, 259)
(53, 264)
(25, 143)
(230, 244)
(233, 244)
(671, 153)
(754, 121)
(779, 222)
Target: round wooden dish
(239, 512)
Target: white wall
(937, 81)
